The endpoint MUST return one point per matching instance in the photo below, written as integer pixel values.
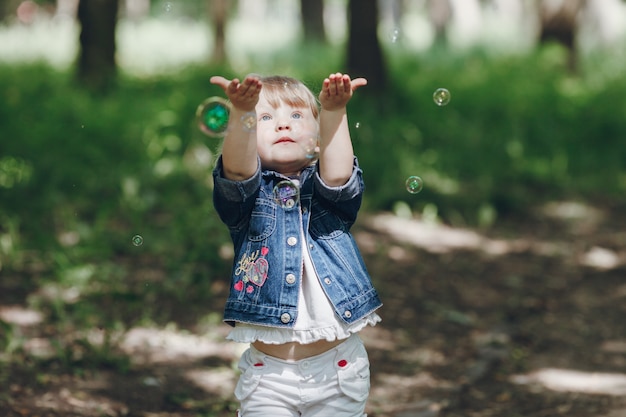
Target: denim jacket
(267, 238)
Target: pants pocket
(354, 379)
(248, 382)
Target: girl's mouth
(284, 140)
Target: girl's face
(285, 135)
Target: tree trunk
(559, 22)
(97, 67)
(312, 15)
(440, 14)
(218, 11)
(365, 57)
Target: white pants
(333, 384)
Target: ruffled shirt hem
(248, 333)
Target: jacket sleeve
(234, 200)
(344, 200)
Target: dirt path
(525, 320)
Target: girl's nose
(283, 125)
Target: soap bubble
(137, 240)
(311, 148)
(286, 194)
(212, 115)
(414, 184)
(357, 125)
(249, 121)
(441, 96)
(395, 35)
(167, 7)
(308, 139)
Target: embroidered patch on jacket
(254, 270)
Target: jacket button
(292, 240)
(290, 278)
(347, 314)
(285, 318)
(327, 281)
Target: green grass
(517, 131)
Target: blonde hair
(278, 88)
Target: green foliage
(81, 174)
(517, 131)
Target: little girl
(300, 292)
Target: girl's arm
(239, 151)
(336, 153)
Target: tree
(218, 9)
(365, 58)
(312, 15)
(559, 22)
(97, 67)
(440, 14)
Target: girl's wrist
(338, 109)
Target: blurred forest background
(110, 248)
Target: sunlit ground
(159, 346)
(567, 380)
(146, 46)
(438, 238)
(168, 42)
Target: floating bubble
(249, 121)
(357, 125)
(308, 138)
(414, 184)
(286, 194)
(137, 240)
(395, 35)
(212, 115)
(441, 96)
(311, 148)
(167, 7)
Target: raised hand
(337, 90)
(242, 95)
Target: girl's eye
(296, 115)
(266, 117)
